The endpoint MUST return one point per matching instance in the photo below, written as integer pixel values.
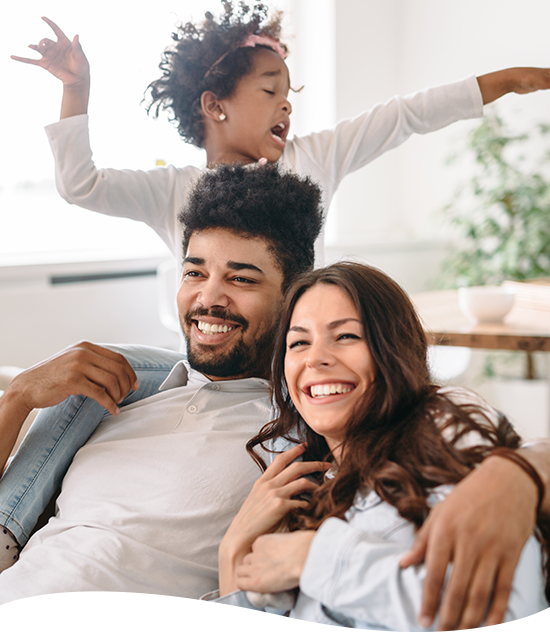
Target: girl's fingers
(25, 60)
(59, 33)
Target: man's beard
(241, 360)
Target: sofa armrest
(7, 373)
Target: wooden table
(523, 329)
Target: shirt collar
(182, 375)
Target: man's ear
(211, 106)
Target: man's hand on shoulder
(466, 529)
(81, 369)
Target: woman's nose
(318, 355)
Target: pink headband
(252, 41)
(264, 40)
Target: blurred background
(68, 274)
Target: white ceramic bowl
(487, 303)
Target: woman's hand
(271, 498)
(275, 563)
(66, 61)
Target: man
(146, 501)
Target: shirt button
(192, 409)
(215, 387)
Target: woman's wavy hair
(405, 438)
(208, 56)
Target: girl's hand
(63, 59)
(518, 80)
(275, 563)
(271, 498)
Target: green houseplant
(501, 216)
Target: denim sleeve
(232, 613)
(356, 575)
(57, 433)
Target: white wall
(38, 318)
(387, 47)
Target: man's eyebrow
(196, 261)
(237, 266)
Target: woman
(354, 392)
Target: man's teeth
(208, 328)
(322, 390)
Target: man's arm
(82, 369)
(466, 529)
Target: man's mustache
(215, 312)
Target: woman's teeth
(210, 329)
(323, 390)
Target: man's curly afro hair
(261, 202)
(198, 50)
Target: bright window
(123, 42)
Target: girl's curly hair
(208, 57)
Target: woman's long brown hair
(405, 437)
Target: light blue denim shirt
(352, 576)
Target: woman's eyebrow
(337, 323)
(333, 325)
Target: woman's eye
(269, 91)
(348, 337)
(296, 343)
(192, 273)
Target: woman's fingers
(283, 460)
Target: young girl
(352, 385)
(225, 85)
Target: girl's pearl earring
(222, 117)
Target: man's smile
(214, 328)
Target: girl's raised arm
(519, 80)
(66, 61)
